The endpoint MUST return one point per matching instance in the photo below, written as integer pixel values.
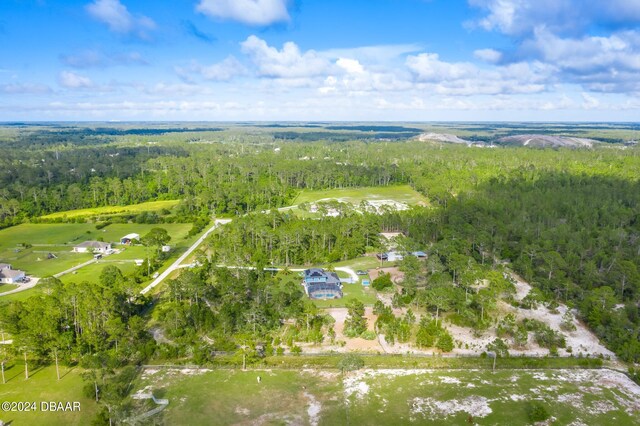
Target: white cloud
(225, 70)
(119, 19)
(286, 63)
(98, 59)
(488, 55)
(253, 12)
(351, 66)
(428, 67)
(72, 80)
(518, 17)
(373, 54)
(466, 79)
(598, 63)
(24, 88)
(589, 101)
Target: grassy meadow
(390, 397)
(400, 193)
(43, 385)
(109, 210)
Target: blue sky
(366, 60)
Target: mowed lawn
(132, 208)
(392, 397)
(400, 193)
(43, 385)
(59, 240)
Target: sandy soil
(581, 341)
(352, 345)
(396, 274)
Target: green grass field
(391, 397)
(44, 386)
(59, 239)
(7, 287)
(132, 208)
(400, 193)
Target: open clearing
(109, 210)
(44, 386)
(400, 194)
(390, 397)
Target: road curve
(182, 258)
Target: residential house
(10, 276)
(92, 247)
(321, 284)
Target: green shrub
(536, 412)
(369, 335)
(350, 362)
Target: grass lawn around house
(150, 206)
(35, 262)
(43, 386)
(91, 273)
(7, 287)
(59, 239)
(350, 291)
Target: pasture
(151, 206)
(58, 240)
(390, 397)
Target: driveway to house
(22, 287)
(182, 258)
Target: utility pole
(26, 367)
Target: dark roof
(314, 272)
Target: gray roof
(11, 273)
(4, 266)
(94, 244)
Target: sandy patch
(475, 406)
(313, 410)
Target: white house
(92, 247)
(10, 276)
(166, 249)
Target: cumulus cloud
(598, 63)
(252, 12)
(119, 20)
(491, 56)
(289, 62)
(72, 80)
(519, 17)
(467, 79)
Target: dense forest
(567, 221)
